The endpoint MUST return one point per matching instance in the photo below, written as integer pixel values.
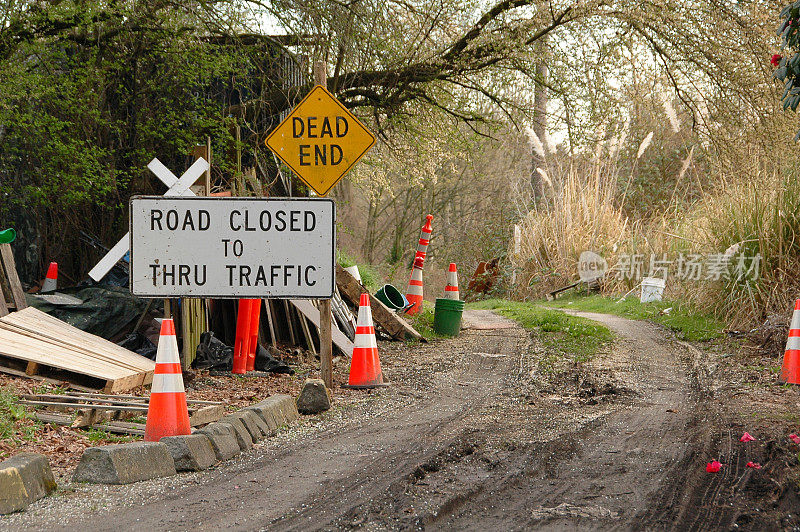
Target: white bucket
(652, 289)
(354, 272)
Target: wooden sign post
(320, 141)
(325, 317)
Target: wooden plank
(308, 310)
(122, 408)
(268, 307)
(144, 398)
(289, 321)
(325, 342)
(125, 383)
(203, 409)
(17, 293)
(307, 335)
(56, 382)
(3, 305)
(394, 325)
(50, 338)
(32, 318)
(205, 415)
(34, 350)
(121, 427)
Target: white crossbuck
(177, 187)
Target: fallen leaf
(754, 465)
(746, 437)
(713, 467)
(795, 438)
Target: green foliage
(16, 423)
(370, 276)
(101, 436)
(788, 69)
(577, 337)
(682, 318)
(422, 321)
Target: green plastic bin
(447, 316)
(391, 297)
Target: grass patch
(577, 338)
(683, 319)
(370, 276)
(101, 436)
(16, 423)
(422, 321)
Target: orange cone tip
(51, 281)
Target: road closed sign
(232, 247)
(320, 140)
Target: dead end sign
(320, 140)
(232, 247)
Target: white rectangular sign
(232, 247)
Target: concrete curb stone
(223, 440)
(193, 452)
(266, 416)
(248, 424)
(125, 463)
(24, 478)
(254, 423)
(242, 435)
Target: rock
(254, 423)
(125, 463)
(24, 478)
(193, 452)
(314, 398)
(242, 435)
(223, 440)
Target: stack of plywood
(39, 344)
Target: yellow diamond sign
(320, 140)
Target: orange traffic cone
(255, 315)
(790, 372)
(365, 366)
(451, 290)
(414, 291)
(242, 342)
(167, 414)
(50, 282)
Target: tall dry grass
(580, 215)
(754, 214)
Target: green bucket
(391, 297)
(7, 236)
(447, 316)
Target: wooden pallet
(49, 347)
(109, 412)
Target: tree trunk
(539, 125)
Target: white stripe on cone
(365, 341)
(167, 352)
(167, 383)
(795, 320)
(793, 343)
(364, 316)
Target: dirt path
(463, 439)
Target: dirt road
(467, 437)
